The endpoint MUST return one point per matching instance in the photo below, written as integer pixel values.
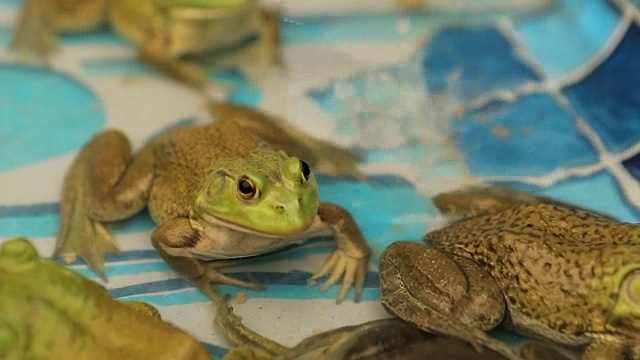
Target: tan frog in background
(176, 36)
(220, 191)
(551, 271)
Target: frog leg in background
(189, 73)
(454, 297)
(34, 36)
(483, 200)
(323, 156)
(105, 183)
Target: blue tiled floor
(57, 108)
(499, 138)
(486, 60)
(609, 98)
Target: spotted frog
(548, 270)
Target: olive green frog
(48, 311)
(548, 270)
(217, 192)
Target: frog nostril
(280, 209)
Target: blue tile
(633, 166)
(609, 98)
(532, 136)
(46, 114)
(485, 58)
(564, 39)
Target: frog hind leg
(251, 344)
(104, 184)
(442, 295)
(484, 200)
(323, 156)
(35, 36)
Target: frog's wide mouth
(216, 221)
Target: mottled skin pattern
(49, 312)
(190, 179)
(549, 262)
(552, 271)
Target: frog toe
(88, 239)
(352, 270)
(213, 276)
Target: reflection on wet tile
(499, 139)
(481, 59)
(609, 98)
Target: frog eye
(306, 171)
(247, 190)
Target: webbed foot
(104, 184)
(80, 235)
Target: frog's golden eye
(306, 171)
(247, 190)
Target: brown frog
(547, 270)
(218, 193)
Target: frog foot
(352, 269)
(213, 275)
(84, 237)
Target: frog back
(185, 159)
(559, 268)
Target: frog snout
(291, 207)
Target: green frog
(548, 270)
(173, 35)
(48, 311)
(217, 192)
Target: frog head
(269, 193)
(17, 256)
(625, 316)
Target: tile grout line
(629, 185)
(505, 27)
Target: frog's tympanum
(171, 33)
(218, 191)
(50, 312)
(547, 270)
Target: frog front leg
(449, 296)
(105, 183)
(172, 238)
(351, 258)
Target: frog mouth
(215, 221)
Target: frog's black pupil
(245, 187)
(305, 170)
